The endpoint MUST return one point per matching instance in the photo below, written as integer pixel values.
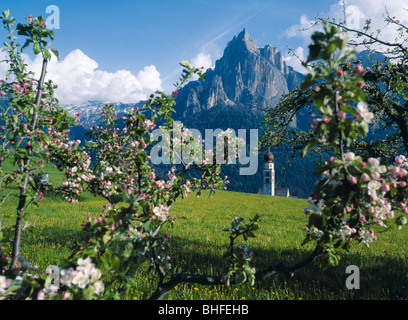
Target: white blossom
(364, 112)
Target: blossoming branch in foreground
(374, 203)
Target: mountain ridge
(245, 76)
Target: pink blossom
(352, 180)
(385, 187)
(66, 295)
(359, 70)
(41, 295)
(399, 160)
(341, 115)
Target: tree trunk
(24, 188)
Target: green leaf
(147, 226)
(26, 44)
(106, 237)
(37, 48)
(333, 259)
(309, 145)
(44, 137)
(106, 261)
(202, 76)
(127, 249)
(362, 129)
(47, 54)
(115, 262)
(6, 13)
(88, 292)
(393, 191)
(185, 63)
(56, 53)
(29, 282)
(349, 109)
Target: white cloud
(356, 12)
(202, 60)
(79, 80)
(295, 60)
(304, 29)
(210, 51)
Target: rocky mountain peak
(243, 77)
(244, 39)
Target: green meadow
(198, 245)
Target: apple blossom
(358, 69)
(349, 156)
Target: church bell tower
(268, 174)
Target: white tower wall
(269, 179)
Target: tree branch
(208, 280)
(371, 37)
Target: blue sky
(148, 39)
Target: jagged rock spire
(244, 40)
(243, 77)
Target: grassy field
(198, 245)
